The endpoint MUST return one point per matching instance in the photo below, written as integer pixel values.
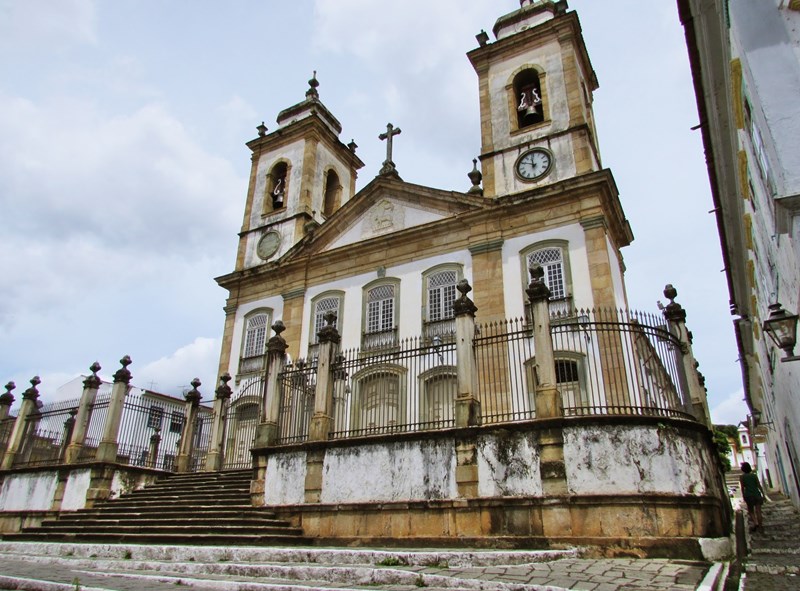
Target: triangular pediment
(387, 206)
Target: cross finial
(388, 167)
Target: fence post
(15, 442)
(322, 421)
(468, 405)
(267, 431)
(155, 442)
(109, 444)
(6, 400)
(221, 401)
(547, 399)
(193, 397)
(69, 428)
(676, 316)
(90, 387)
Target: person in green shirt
(753, 494)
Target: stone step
(188, 496)
(185, 529)
(162, 503)
(177, 521)
(198, 539)
(150, 513)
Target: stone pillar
(155, 443)
(216, 453)
(90, 387)
(69, 427)
(322, 420)
(267, 432)
(547, 399)
(28, 406)
(6, 400)
(676, 316)
(108, 447)
(193, 396)
(556, 519)
(468, 406)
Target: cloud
(172, 374)
(731, 410)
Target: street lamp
(782, 328)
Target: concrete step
(200, 539)
(175, 521)
(190, 529)
(173, 513)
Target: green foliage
(393, 561)
(731, 431)
(723, 448)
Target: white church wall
(275, 303)
(28, 492)
(391, 471)
(508, 465)
(285, 479)
(635, 459)
(76, 489)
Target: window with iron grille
(327, 304)
(380, 308)
(176, 422)
(441, 294)
(255, 336)
(155, 416)
(551, 259)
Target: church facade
(461, 365)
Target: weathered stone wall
(33, 491)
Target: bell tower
(301, 174)
(536, 83)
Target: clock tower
(536, 84)
(301, 174)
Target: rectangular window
(441, 294)
(255, 336)
(321, 307)
(176, 422)
(155, 416)
(380, 309)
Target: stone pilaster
(293, 304)
(676, 315)
(468, 406)
(267, 431)
(216, 453)
(91, 385)
(17, 439)
(193, 397)
(109, 444)
(322, 420)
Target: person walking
(753, 495)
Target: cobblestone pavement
(774, 560)
(137, 568)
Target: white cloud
(172, 374)
(731, 410)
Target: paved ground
(774, 561)
(67, 567)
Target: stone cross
(388, 165)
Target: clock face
(268, 245)
(534, 164)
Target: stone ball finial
(537, 289)
(313, 84)
(536, 271)
(32, 393)
(224, 391)
(328, 333)
(673, 311)
(277, 344)
(475, 177)
(352, 146)
(196, 383)
(7, 398)
(262, 129)
(670, 292)
(278, 326)
(93, 381)
(194, 395)
(10, 386)
(123, 375)
(464, 305)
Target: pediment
(386, 207)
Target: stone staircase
(187, 509)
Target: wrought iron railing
(297, 390)
(47, 432)
(379, 340)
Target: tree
(723, 447)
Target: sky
(124, 170)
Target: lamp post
(782, 329)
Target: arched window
(552, 261)
(378, 407)
(332, 193)
(528, 97)
(330, 301)
(438, 397)
(553, 257)
(380, 323)
(254, 341)
(439, 295)
(276, 187)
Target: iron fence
(47, 432)
(6, 428)
(241, 423)
(607, 362)
(411, 389)
(94, 430)
(297, 387)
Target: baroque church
(415, 362)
